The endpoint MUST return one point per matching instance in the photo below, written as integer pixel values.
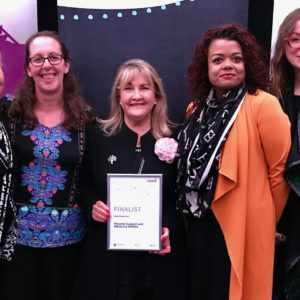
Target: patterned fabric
(200, 143)
(48, 215)
(43, 177)
(8, 231)
(43, 227)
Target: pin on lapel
(111, 159)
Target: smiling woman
(286, 86)
(137, 119)
(46, 122)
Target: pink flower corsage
(166, 149)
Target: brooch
(111, 159)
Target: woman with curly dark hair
(46, 124)
(230, 182)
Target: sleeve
(87, 188)
(5, 151)
(274, 131)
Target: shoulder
(94, 132)
(261, 97)
(5, 103)
(263, 103)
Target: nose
(136, 94)
(227, 64)
(46, 62)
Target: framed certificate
(135, 203)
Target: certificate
(135, 203)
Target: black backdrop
(165, 38)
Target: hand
(100, 212)
(165, 238)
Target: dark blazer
(99, 270)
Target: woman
(46, 126)
(124, 143)
(8, 229)
(286, 86)
(230, 184)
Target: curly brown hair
(75, 108)
(255, 58)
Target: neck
(140, 128)
(297, 83)
(49, 110)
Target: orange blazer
(251, 193)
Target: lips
(227, 75)
(136, 104)
(48, 75)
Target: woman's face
(48, 78)
(226, 68)
(137, 99)
(293, 53)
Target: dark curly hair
(75, 108)
(255, 59)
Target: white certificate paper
(135, 203)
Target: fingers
(166, 245)
(100, 212)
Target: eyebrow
(221, 54)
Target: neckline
(50, 127)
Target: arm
(274, 132)
(87, 186)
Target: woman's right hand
(100, 212)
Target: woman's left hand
(165, 239)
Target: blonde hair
(282, 70)
(160, 123)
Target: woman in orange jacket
(233, 150)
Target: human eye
(217, 59)
(55, 58)
(295, 40)
(127, 87)
(237, 58)
(37, 59)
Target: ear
(67, 68)
(28, 72)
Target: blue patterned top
(48, 215)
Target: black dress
(115, 275)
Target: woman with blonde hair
(125, 143)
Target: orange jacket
(251, 193)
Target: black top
(100, 268)
(45, 175)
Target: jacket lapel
(227, 179)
